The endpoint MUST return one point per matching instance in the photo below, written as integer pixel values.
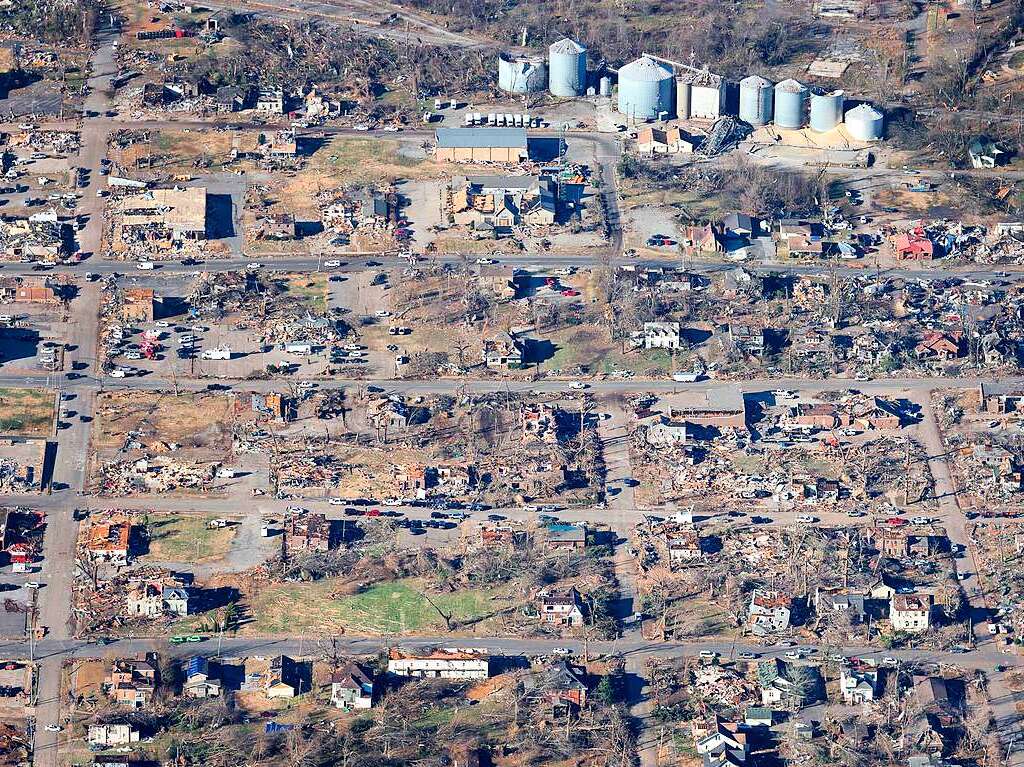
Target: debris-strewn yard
(26, 412)
(187, 538)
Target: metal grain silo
(605, 86)
(567, 68)
(756, 95)
(683, 98)
(865, 123)
(826, 110)
(790, 104)
(645, 89)
(522, 74)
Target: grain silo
(826, 110)
(790, 104)
(707, 94)
(756, 96)
(522, 74)
(865, 123)
(683, 97)
(646, 89)
(567, 68)
(605, 86)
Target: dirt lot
(186, 538)
(26, 412)
(196, 420)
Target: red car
(570, 292)
(896, 521)
(373, 513)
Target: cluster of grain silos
(567, 68)
(646, 90)
(522, 74)
(756, 100)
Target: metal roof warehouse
(481, 144)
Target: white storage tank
(707, 93)
(645, 89)
(756, 96)
(522, 74)
(567, 68)
(865, 123)
(790, 104)
(683, 98)
(826, 110)
(605, 86)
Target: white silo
(522, 74)
(865, 123)
(826, 110)
(756, 96)
(707, 94)
(683, 97)
(567, 68)
(645, 89)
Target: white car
(392, 502)
(32, 585)
(708, 654)
(307, 384)
(132, 356)
(748, 656)
(806, 519)
(487, 261)
(53, 728)
(118, 373)
(295, 510)
(382, 313)
(531, 507)
(578, 385)
(889, 661)
(561, 651)
(361, 127)
(146, 266)
(332, 264)
(254, 265)
(351, 347)
(162, 324)
(921, 520)
(391, 129)
(336, 501)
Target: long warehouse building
(481, 144)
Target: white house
(441, 664)
(106, 735)
(910, 612)
(661, 335)
(858, 684)
(769, 612)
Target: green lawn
(186, 538)
(358, 160)
(396, 606)
(26, 412)
(311, 288)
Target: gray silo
(683, 86)
(826, 110)
(790, 104)
(645, 89)
(756, 95)
(865, 123)
(605, 86)
(522, 74)
(567, 68)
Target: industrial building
(703, 95)
(171, 214)
(567, 68)
(646, 90)
(507, 145)
(522, 74)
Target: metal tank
(522, 74)
(865, 123)
(567, 68)
(683, 98)
(790, 104)
(756, 95)
(646, 89)
(826, 110)
(605, 86)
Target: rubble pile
(156, 475)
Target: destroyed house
(151, 600)
(138, 305)
(164, 214)
(284, 679)
(572, 537)
(562, 685)
(233, 98)
(503, 350)
(308, 531)
(939, 346)
(769, 612)
(109, 541)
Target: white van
(146, 266)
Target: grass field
(26, 412)
(311, 288)
(396, 606)
(187, 539)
